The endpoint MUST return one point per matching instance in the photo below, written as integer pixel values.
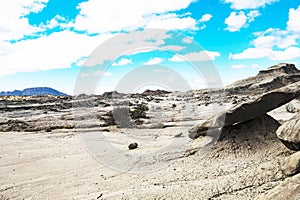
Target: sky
(93, 46)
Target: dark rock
(133, 146)
(155, 92)
(112, 95)
(48, 130)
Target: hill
(37, 91)
(272, 78)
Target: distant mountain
(37, 91)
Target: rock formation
(249, 110)
(274, 77)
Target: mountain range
(36, 91)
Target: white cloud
(275, 44)
(288, 41)
(177, 58)
(238, 20)
(241, 66)
(58, 50)
(251, 53)
(171, 22)
(195, 56)
(252, 15)
(205, 18)
(287, 54)
(128, 44)
(248, 4)
(13, 24)
(202, 56)
(264, 41)
(187, 40)
(122, 62)
(140, 51)
(172, 47)
(255, 53)
(293, 23)
(66, 47)
(153, 61)
(61, 49)
(202, 27)
(57, 21)
(275, 37)
(115, 15)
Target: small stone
(133, 146)
(178, 135)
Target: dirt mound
(249, 137)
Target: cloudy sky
(49, 42)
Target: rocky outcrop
(13, 125)
(274, 77)
(289, 133)
(288, 189)
(281, 68)
(112, 95)
(155, 92)
(247, 111)
(291, 165)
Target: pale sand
(57, 166)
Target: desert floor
(62, 164)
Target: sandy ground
(35, 166)
(59, 166)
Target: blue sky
(50, 42)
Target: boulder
(289, 133)
(248, 110)
(291, 165)
(288, 189)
